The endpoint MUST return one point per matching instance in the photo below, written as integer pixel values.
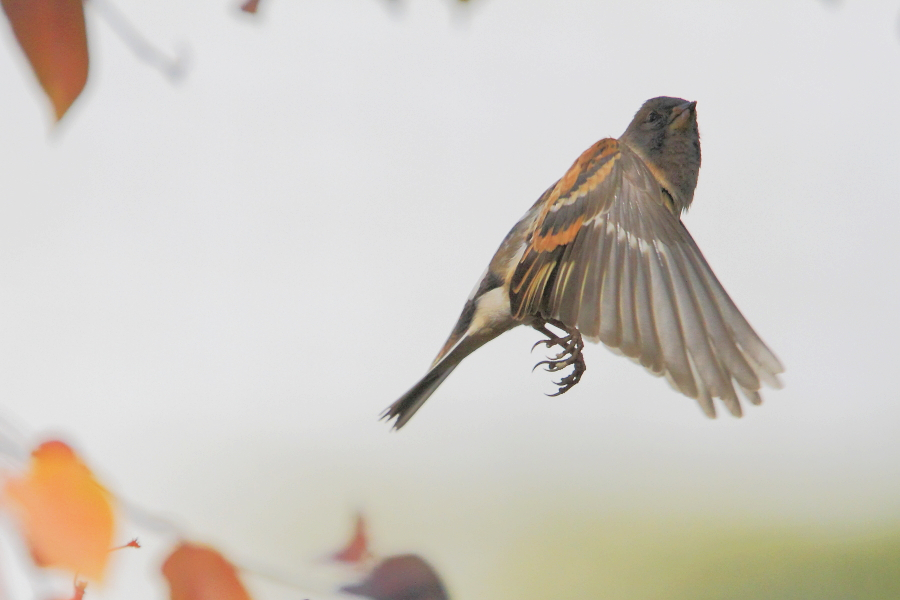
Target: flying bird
(603, 255)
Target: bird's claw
(570, 355)
(548, 342)
(569, 381)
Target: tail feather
(404, 408)
(484, 317)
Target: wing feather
(589, 322)
(726, 349)
(650, 355)
(669, 327)
(609, 329)
(630, 337)
(608, 256)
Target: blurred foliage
(635, 559)
(52, 35)
(614, 559)
(201, 573)
(66, 515)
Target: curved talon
(567, 383)
(554, 365)
(550, 342)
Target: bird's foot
(570, 354)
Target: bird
(603, 255)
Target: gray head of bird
(664, 134)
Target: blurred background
(213, 287)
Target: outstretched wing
(609, 256)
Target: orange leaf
(250, 6)
(200, 573)
(357, 550)
(67, 516)
(52, 35)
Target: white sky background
(213, 288)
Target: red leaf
(132, 544)
(200, 573)
(52, 35)
(357, 550)
(250, 6)
(67, 516)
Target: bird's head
(664, 134)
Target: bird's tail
(482, 319)
(404, 408)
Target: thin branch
(173, 68)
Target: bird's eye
(653, 117)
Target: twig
(173, 68)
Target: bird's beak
(682, 114)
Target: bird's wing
(608, 256)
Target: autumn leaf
(52, 35)
(132, 544)
(250, 6)
(357, 550)
(402, 577)
(66, 515)
(200, 573)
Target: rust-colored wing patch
(572, 202)
(585, 191)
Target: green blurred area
(633, 558)
(525, 534)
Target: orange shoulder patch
(592, 167)
(566, 207)
(550, 241)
